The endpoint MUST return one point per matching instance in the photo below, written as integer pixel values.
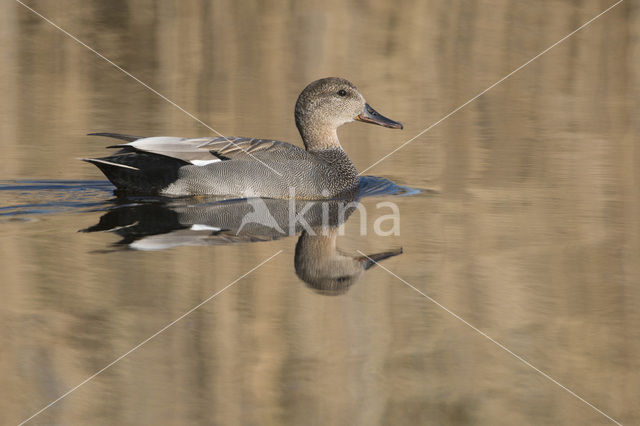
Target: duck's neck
(321, 244)
(321, 138)
(318, 139)
(318, 136)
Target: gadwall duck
(235, 166)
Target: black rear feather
(139, 172)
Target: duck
(250, 167)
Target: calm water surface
(526, 222)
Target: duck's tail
(138, 172)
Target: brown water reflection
(533, 236)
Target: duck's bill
(373, 259)
(370, 115)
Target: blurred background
(532, 233)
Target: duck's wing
(202, 151)
(237, 148)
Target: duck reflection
(324, 268)
(162, 224)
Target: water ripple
(34, 197)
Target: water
(519, 214)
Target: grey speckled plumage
(251, 167)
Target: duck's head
(327, 104)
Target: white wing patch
(151, 243)
(204, 162)
(200, 227)
(185, 149)
(155, 141)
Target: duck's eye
(342, 92)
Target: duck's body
(251, 167)
(248, 167)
